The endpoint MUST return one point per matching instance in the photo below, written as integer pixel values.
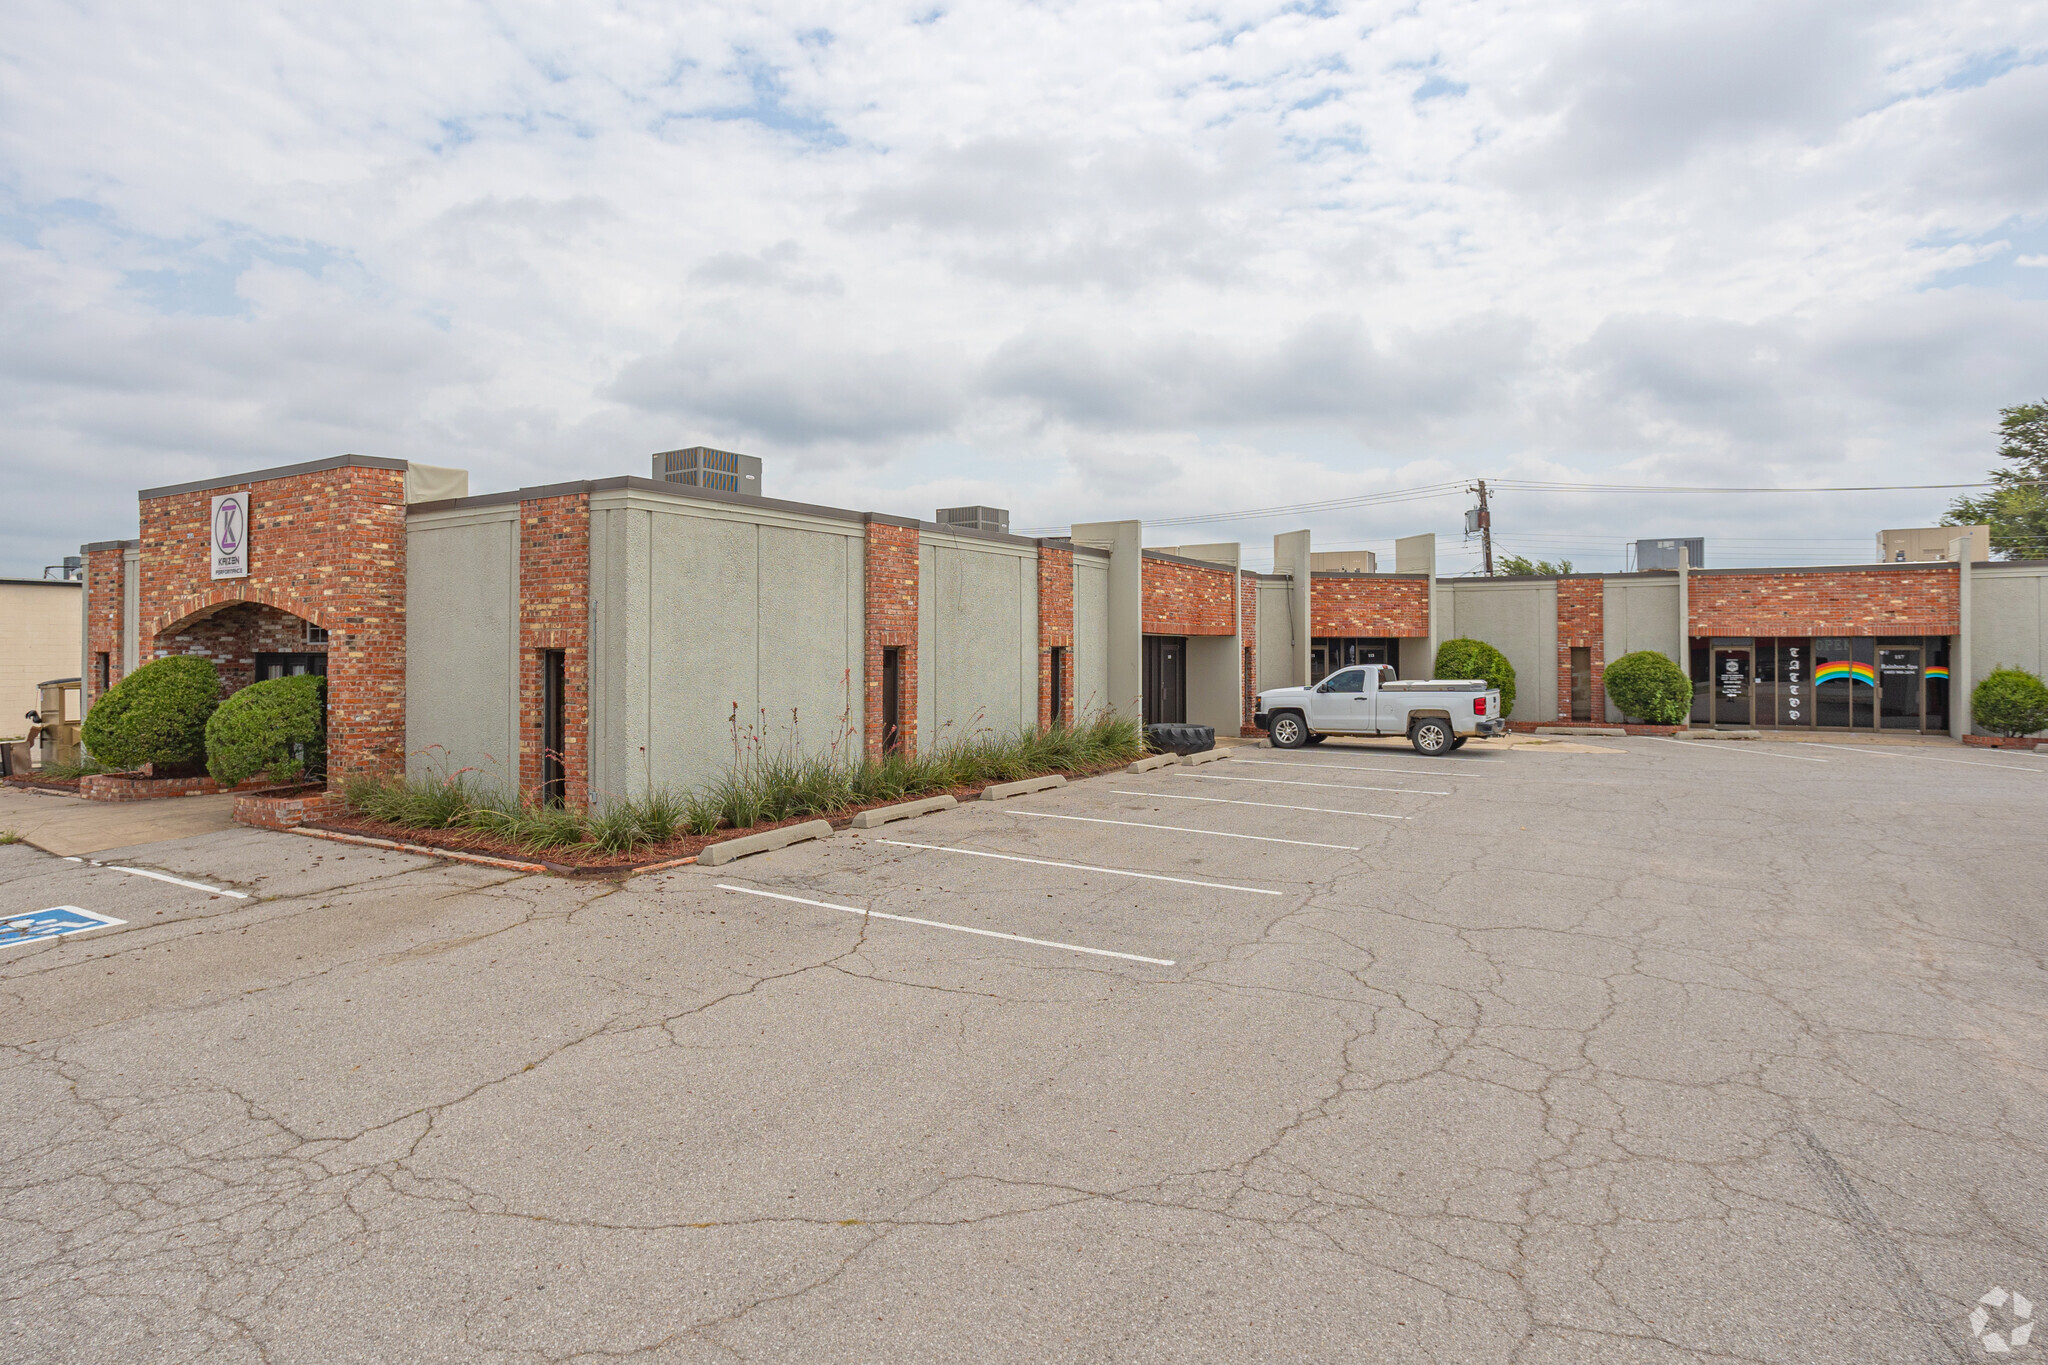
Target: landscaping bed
(582, 861)
(453, 814)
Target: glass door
(1734, 667)
(1898, 687)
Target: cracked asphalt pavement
(1642, 1052)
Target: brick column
(554, 613)
(1248, 593)
(1055, 628)
(891, 618)
(1581, 623)
(105, 585)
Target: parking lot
(1625, 1050)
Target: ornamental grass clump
(761, 786)
(157, 714)
(1650, 687)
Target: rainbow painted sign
(1937, 671)
(1844, 670)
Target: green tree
(1523, 565)
(2016, 508)
(2010, 701)
(157, 714)
(1649, 686)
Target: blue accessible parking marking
(55, 922)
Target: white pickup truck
(1437, 716)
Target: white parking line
(1335, 786)
(1356, 767)
(1266, 805)
(1181, 829)
(956, 928)
(1745, 746)
(2023, 767)
(1080, 867)
(175, 881)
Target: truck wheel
(1288, 730)
(1431, 737)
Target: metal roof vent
(976, 518)
(703, 467)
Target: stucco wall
(42, 630)
(1212, 682)
(977, 637)
(1518, 617)
(2009, 618)
(701, 611)
(1274, 647)
(1091, 634)
(461, 646)
(1640, 613)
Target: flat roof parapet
(280, 472)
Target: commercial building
(602, 637)
(39, 634)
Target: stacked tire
(1180, 739)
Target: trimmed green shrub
(2010, 701)
(1650, 687)
(157, 714)
(1465, 659)
(278, 727)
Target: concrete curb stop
(1029, 784)
(763, 842)
(1610, 731)
(1147, 764)
(1206, 756)
(1722, 734)
(882, 815)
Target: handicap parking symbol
(55, 922)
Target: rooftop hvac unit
(1663, 554)
(703, 467)
(976, 518)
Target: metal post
(1960, 678)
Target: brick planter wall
(327, 546)
(2025, 742)
(1581, 617)
(1055, 628)
(128, 787)
(1858, 602)
(288, 811)
(1182, 599)
(554, 613)
(891, 620)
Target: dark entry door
(1898, 688)
(892, 699)
(1732, 678)
(1166, 680)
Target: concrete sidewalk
(72, 827)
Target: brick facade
(554, 613)
(1899, 601)
(1375, 605)
(1055, 629)
(234, 635)
(1184, 599)
(105, 583)
(1581, 623)
(891, 618)
(1248, 595)
(327, 546)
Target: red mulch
(590, 862)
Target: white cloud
(1075, 260)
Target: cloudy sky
(1081, 261)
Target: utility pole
(1482, 521)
